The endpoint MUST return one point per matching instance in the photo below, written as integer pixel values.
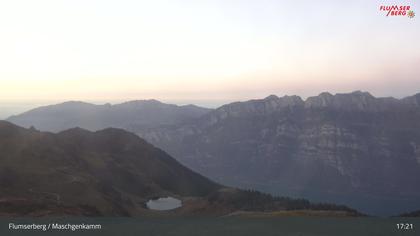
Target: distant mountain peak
(357, 100)
(72, 104)
(361, 93)
(137, 114)
(412, 100)
(142, 102)
(325, 94)
(271, 97)
(77, 130)
(353, 101)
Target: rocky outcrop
(326, 147)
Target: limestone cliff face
(352, 144)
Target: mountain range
(352, 149)
(111, 173)
(132, 115)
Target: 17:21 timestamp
(405, 226)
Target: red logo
(397, 10)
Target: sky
(203, 52)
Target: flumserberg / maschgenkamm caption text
(54, 226)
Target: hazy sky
(202, 50)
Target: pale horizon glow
(209, 50)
